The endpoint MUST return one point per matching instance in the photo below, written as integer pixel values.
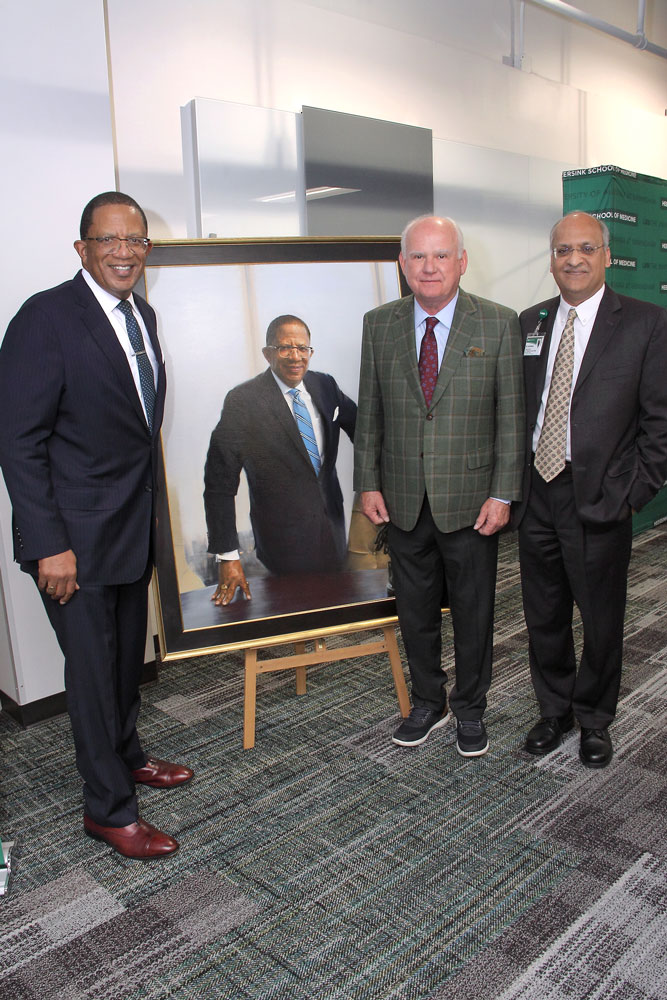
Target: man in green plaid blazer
(438, 455)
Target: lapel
(463, 330)
(148, 317)
(277, 411)
(403, 326)
(314, 386)
(101, 331)
(540, 369)
(605, 325)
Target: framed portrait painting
(214, 300)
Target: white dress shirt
(442, 327)
(583, 325)
(109, 304)
(307, 401)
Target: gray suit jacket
(465, 447)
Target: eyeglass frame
(305, 351)
(560, 253)
(142, 242)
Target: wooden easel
(320, 653)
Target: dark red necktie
(428, 360)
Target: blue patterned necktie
(428, 360)
(305, 425)
(146, 374)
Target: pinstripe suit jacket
(76, 452)
(468, 444)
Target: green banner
(634, 208)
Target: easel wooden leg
(397, 670)
(249, 699)
(300, 647)
(301, 658)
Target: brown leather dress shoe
(139, 840)
(162, 774)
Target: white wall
(55, 133)
(588, 99)
(583, 99)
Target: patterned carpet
(328, 864)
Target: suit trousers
(564, 561)
(102, 633)
(430, 568)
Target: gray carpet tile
(329, 864)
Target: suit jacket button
(429, 416)
(148, 489)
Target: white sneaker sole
(416, 743)
(472, 753)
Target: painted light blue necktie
(146, 374)
(305, 425)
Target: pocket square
(475, 352)
(335, 415)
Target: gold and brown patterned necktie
(551, 448)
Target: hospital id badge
(533, 346)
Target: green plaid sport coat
(469, 444)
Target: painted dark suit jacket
(618, 416)
(76, 452)
(297, 517)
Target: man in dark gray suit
(595, 452)
(82, 388)
(282, 428)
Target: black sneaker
(471, 739)
(415, 729)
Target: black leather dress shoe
(546, 734)
(595, 749)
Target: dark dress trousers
(80, 467)
(297, 516)
(575, 533)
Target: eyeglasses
(110, 244)
(586, 251)
(285, 350)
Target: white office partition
(241, 168)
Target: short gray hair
(437, 218)
(603, 227)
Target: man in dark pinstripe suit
(82, 388)
(441, 463)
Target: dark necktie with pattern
(552, 446)
(305, 425)
(428, 360)
(146, 373)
